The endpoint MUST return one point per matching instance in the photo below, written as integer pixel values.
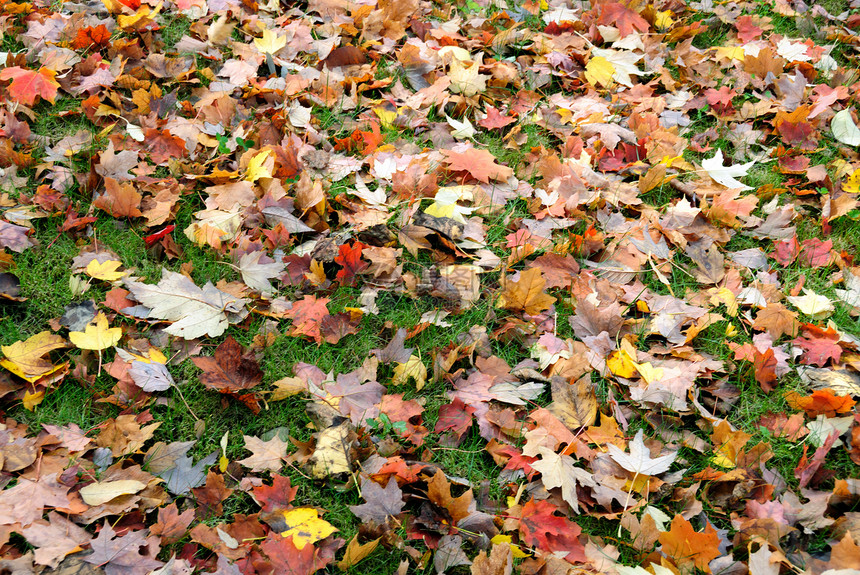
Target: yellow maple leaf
(256, 169)
(305, 526)
(648, 372)
(105, 271)
(31, 400)
(413, 368)
(599, 70)
(620, 364)
(97, 335)
(270, 42)
(26, 358)
(143, 17)
(852, 184)
(730, 53)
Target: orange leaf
(29, 85)
(822, 401)
(687, 546)
(526, 294)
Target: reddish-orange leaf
(626, 20)
(307, 314)
(821, 345)
(688, 547)
(287, 559)
(279, 495)
(495, 119)
(541, 528)
(350, 258)
(119, 200)
(821, 402)
(29, 85)
(96, 36)
(481, 164)
(765, 369)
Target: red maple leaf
(307, 315)
(162, 145)
(276, 496)
(747, 31)
(626, 20)
(288, 559)
(350, 258)
(29, 85)
(540, 527)
(815, 253)
(820, 345)
(786, 250)
(495, 119)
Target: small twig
(182, 397)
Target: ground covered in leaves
(404, 286)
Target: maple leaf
(277, 496)
(172, 525)
(559, 471)
(688, 547)
(349, 257)
(380, 503)
(211, 496)
(526, 294)
(626, 20)
(480, 164)
(494, 119)
(119, 200)
(256, 274)
(639, 459)
(540, 527)
(122, 555)
(287, 558)
(97, 335)
(266, 455)
(30, 85)
(821, 402)
(26, 358)
(230, 371)
(303, 525)
(194, 311)
(54, 539)
(725, 175)
(820, 345)
(776, 320)
(307, 314)
(96, 36)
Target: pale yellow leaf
(98, 335)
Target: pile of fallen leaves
(330, 147)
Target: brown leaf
(119, 200)
(777, 320)
(211, 496)
(526, 294)
(574, 404)
(172, 525)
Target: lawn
(429, 287)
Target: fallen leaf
(97, 335)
